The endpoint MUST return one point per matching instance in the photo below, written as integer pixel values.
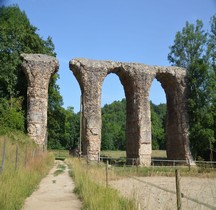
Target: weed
(60, 169)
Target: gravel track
(54, 193)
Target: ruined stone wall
(38, 69)
(136, 80)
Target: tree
(158, 115)
(113, 126)
(11, 118)
(114, 120)
(192, 50)
(18, 36)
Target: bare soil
(151, 197)
(54, 193)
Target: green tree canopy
(17, 36)
(194, 49)
(114, 120)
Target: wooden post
(16, 160)
(26, 156)
(178, 190)
(3, 156)
(107, 173)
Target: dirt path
(54, 193)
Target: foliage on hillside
(113, 125)
(17, 36)
(64, 129)
(11, 118)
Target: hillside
(113, 125)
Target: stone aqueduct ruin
(136, 79)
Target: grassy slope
(17, 184)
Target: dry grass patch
(17, 183)
(90, 186)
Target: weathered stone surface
(38, 69)
(136, 79)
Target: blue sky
(130, 31)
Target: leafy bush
(11, 115)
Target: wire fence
(14, 155)
(156, 162)
(183, 195)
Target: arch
(113, 95)
(136, 80)
(136, 85)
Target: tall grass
(16, 184)
(90, 186)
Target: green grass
(16, 184)
(126, 171)
(122, 154)
(113, 154)
(159, 154)
(63, 154)
(90, 186)
(60, 154)
(60, 169)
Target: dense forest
(113, 125)
(194, 49)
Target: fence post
(178, 189)
(107, 173)
(16, 160)
(3, 155)
(26, 156)
(137, 165)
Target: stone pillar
(138, 119)
(38, 69)
(90, 76)
(138, 131)
(91, 119)
(177, 128)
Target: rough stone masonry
(136, 80)
(38, 69)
